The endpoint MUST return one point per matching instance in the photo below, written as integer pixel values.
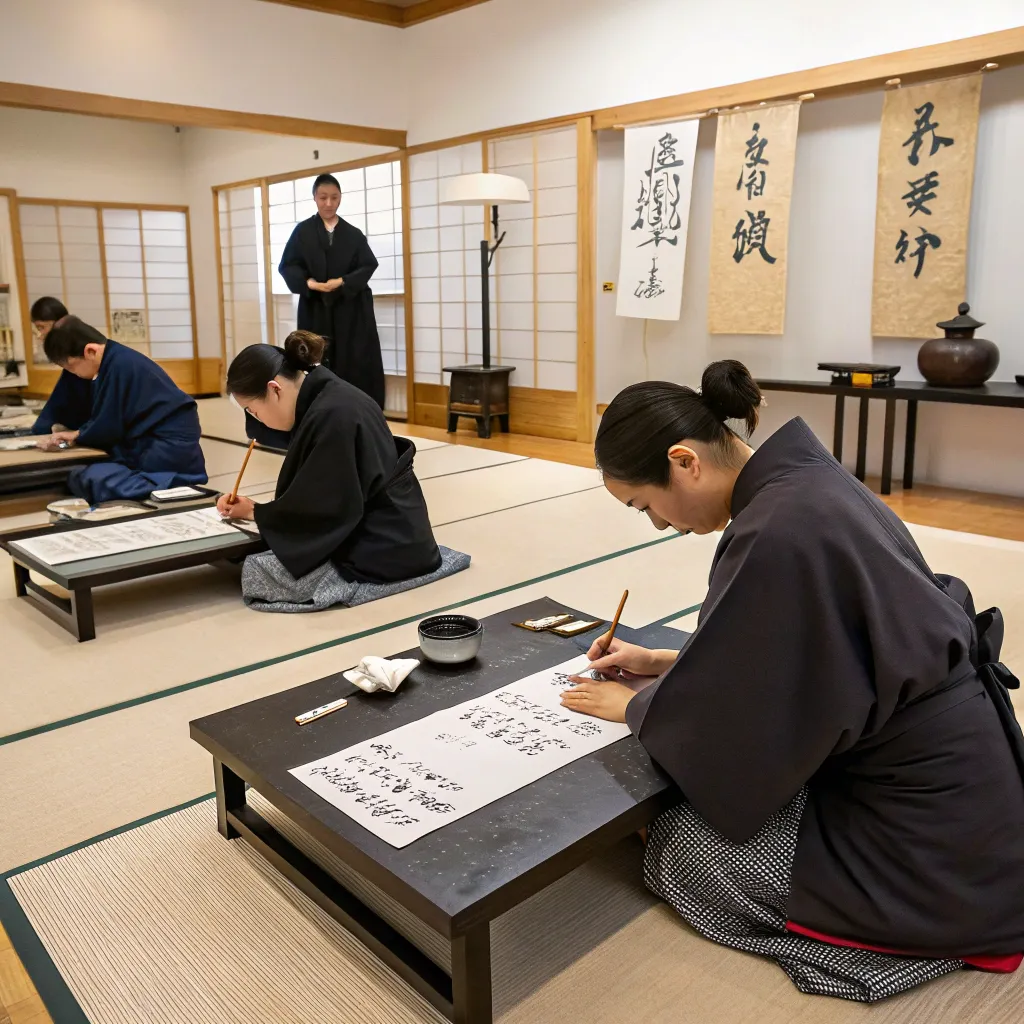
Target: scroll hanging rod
(712, 111)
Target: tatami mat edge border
(326, 645)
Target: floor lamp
(481, 392)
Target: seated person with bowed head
(71, 398)
(149, 426)
(347, 499)
(838, 723)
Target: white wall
(829, 287)
(211, 157)
(66, 156)
(512, 61)
(234, 54)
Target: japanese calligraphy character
(922, 191)
(667, 156)
(753, 237)
(755, 148)
(657, 207)
(925, 240)
(922, 126)
(652, 287)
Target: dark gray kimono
(345, 316)
(828, 655)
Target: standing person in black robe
(328, 264)
(347, 498)
(838, 723)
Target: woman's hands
(605, 700)
(628, 661)
(240, 508)
(324, 286)
(607, 697)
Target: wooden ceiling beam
(383, 13)
(34, 97)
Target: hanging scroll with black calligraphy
(925, 177)
(754, 155)
(655, 217)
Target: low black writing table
(459, 878)
(995, 393)
(79, 579)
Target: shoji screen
(61, 246)
(125, 270)
(148, 272)
(445, 246)
(241, 260)
(534, 300)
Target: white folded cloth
(372, 674)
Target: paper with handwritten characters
(410, 781)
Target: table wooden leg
(890, 433)
(862, 440)
(837, 432)
(82, 613)
(471, 976)
(911, 445)
(230, 797)
(21, 578)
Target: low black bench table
(79, 579)
(461, 877)
(1005, 394)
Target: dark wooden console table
(997, 393)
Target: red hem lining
(995, 964)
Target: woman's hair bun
(304, 350)
(730, 393)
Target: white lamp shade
(483, 190)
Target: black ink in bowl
(450, 639)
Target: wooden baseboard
(41, 380)
(537, 412)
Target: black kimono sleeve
(324, 501)
(366, 264)
(811, 635)
(293, 266)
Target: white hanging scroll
(655, 217)
(410, 781)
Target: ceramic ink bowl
(450, 639)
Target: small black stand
(481, 392)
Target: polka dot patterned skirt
(736, 893)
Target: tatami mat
(218, 417)
(169, 922)
(169, 629)
(133, 762)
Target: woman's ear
(685, 458)
(273, 388)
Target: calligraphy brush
(610, 636)
(233, 496)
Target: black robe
(827, 654)
(347, 492)
(345, 316)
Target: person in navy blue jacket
(149, 426)
(71, 398)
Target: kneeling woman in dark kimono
(348, 511)
(135, 412)
(838, 723)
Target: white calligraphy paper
(78, 545)
(655, 218)
(408, 782)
